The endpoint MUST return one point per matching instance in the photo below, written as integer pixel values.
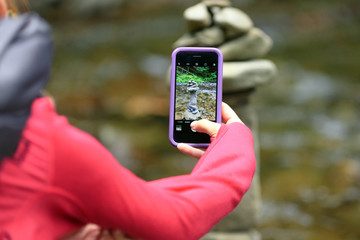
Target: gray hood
(25, 63)
(25, 60)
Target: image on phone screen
(196, 92)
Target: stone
(208, 37)
(186, 40)
(249, 74)
(233, 20)
(214, 10)
(192, 89)
(191, 116)
(217, 3)
(197, 17)
(254, 44)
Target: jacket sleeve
(181, 207)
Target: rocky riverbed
(206, 100)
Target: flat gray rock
(217, 3)
(252, 45)
(186, 40)
(197, 17)
(208, 37)
(249, 74)
(233, 20)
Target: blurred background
(109, 79)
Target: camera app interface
(195, 92)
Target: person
(55, 178)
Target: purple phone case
(172, 89)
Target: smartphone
(195, 93)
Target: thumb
(205, 126)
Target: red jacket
(61, 178)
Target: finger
(89, 232)
(205, 126)
(190, 151)
(229, 115)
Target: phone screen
(196, 93)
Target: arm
(183, 207)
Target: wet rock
(254, 44)
(212, 36)
(187, 40)
(233, 20)
(217, 3)
(214, 10)
(197, 17)
(244, 75)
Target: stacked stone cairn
(216, 23)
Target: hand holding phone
(195, 93)
(210, 128)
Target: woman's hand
(95, 232)
(210, 128)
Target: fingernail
(193, 124)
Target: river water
(110, 78)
